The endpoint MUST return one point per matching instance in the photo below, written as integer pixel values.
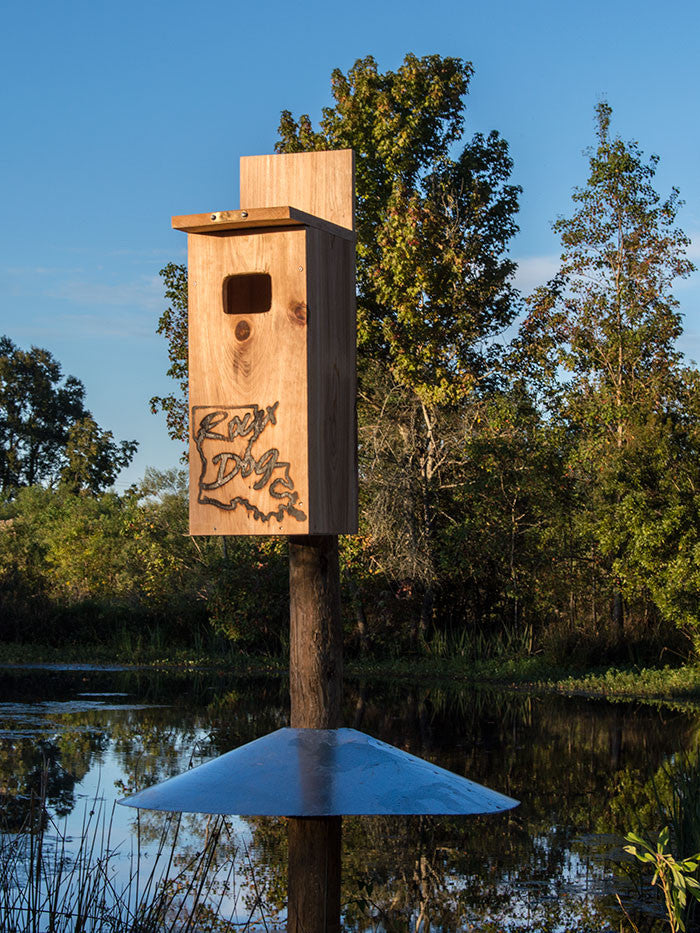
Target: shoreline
(658, 685)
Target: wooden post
(315, 687)
(316, 634)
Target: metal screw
(244, 213)
(213, 216)
(301, 268)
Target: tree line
(528, 465)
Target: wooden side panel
(248, 388)
(320, 183)
(332, 384)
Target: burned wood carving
(226, 440)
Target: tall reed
(47, 885)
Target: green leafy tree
(46, 433)
(608, 322)
(93, 460)
(657, 535)
(433, 279)
(434, 291)
(433, 282)
(609, 317)
(173, 326)
(37, 408)
(70, 563)
(510, 497)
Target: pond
(584, 770)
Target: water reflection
(578, 766)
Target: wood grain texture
(237, 361)
(298, 356)
(315, 633)
(314, 875)
(319, 183)
(273, 435)
(332, 393)
(316, 697)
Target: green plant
(677, 879)
(677, 793)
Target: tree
(609, 316)
(173, 326)
(510, 495)
(92, 458)
(432, 276)
(433, 280)
(46, 433)
(656, 539)
(608, 321)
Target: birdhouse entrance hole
(250, 293)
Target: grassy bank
(663, 683)
(138, 655)
(536, 673)
(530, 673)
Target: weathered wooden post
(273, 450)
(316, 693)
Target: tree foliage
(609, 317)
(434, 288)
(46, 433)
(527, 493)
(93, 460)
(600, 338)
(71, 563)
(433, 280)
(172, 325)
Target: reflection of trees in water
(193, 717)
(45, 768)
(577, 766)
(558, 756)
(429, 873)
(644, 802)
(562, 759)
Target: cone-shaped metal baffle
(319, 772)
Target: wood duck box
(272, 334)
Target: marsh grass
(654, 683)
(51, 883)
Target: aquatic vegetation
(49, 883)
(676, 879)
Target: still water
(584, 770)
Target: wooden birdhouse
(272, 352)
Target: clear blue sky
(117, 115)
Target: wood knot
(298, 311)
(242, 330)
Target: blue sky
(117, 115)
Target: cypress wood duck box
(272, 333)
